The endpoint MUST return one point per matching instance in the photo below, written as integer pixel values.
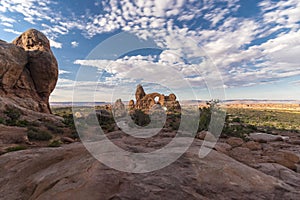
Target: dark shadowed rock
(119, 109)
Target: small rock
(67, 140)
(235, 142)
(207, 136)
(222, 147)
(285, 158)
(252, 145)
(265, 137)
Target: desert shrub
(22, 123)
(54, 129)
(174, 125)
(236, 131)
(36, 134)
(13, 114)
(2, 121)
(106, 122)
(74, 134)
(55, 143)
(140, 118)
(16, 148)
(205, 117)
(69, 121)
(236, 119)
(252, 127)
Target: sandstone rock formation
(131, 105)
(146, 101)
(119, 109)
(140, 93)
(28, 71)
(70, 172)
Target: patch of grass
(16, 148)
(270, 119)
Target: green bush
(236, 119)
(35, 134)
(205, 117)
(2, 121)
(55, 143)
(54, 129)
(13, 114)
(69, 121)
(140, 118)
(16, 148)
(22, 123)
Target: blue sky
(227, 49)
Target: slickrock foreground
(70, 172)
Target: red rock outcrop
(146, 101)
(28, 71)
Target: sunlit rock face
(28, 71)
(147, 101)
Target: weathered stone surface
(12, 63)
(252, 145)
(70, 172)
(223, 147)
(235, 142)
(131, 105)
(67, 140)
(207, 136)
(119, 109)
(146, 101)
(28, 71)
(276, 170)
(12, 135)
(265, 137)
(285, 158)
(140, 93)
(243, 155)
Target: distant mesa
(28, 71)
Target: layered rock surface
(28, 71)
(70, 172)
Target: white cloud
(74, 44)
(63, 72)
(229, 41)
(55, 44)
(12, 31)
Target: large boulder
(28, 71)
